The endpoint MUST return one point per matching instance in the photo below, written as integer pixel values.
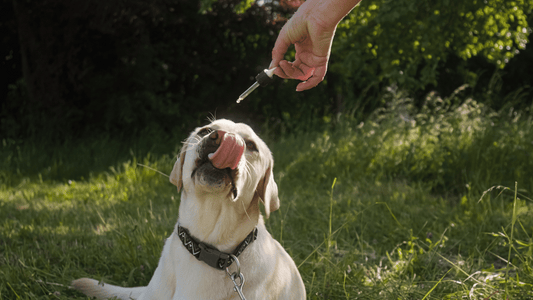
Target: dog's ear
(175, 175)
(267, 189)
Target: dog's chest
(197, 280)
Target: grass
(429, 203)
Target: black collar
(209, 254)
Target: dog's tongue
(228, 154)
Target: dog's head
(227, 159)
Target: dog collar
(211, 255)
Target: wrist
(331, 12)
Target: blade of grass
(390, 211)
(436, 284)
(330, 213)
(513, 220)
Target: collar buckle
(213, 257)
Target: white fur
(214, 216)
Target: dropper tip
(270, 72)
(239, 100)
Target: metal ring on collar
(236, 260)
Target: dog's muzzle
(230, 149)
(219, 155)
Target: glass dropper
(262, 79)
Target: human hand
(311, 30)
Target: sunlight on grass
(412, 203)
(430, 170)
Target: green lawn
(392, 208)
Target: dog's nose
(212, 142)
(217, 136)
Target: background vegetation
(407, 174)
(401, 206)
(126, 67)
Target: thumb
(280, 47)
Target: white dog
(225, 170)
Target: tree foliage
(406, 42)
(164, 65)
(126, 66)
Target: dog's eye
(204, 132)
(251, 146)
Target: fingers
(280, 71)
(314, 80)
(294, 70)
(309, 84)
(304, 72)
(311, 76)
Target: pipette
(262, 79)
